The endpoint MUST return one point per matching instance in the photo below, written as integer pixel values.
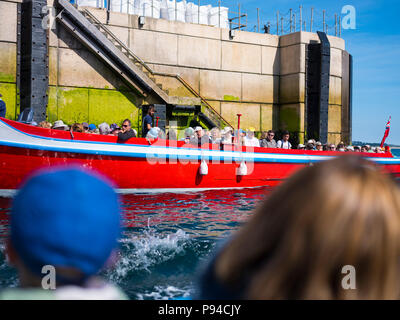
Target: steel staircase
(105, 45)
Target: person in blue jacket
(2, 107)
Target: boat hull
(161, 165)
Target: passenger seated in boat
(284, 143)
(152, 134)
(250, 140)
(357, 149)
(199, 137)
(267, 139)
(319, 146)
(126, 132)
(104, 129)
(226, 135)
(215, 136)
(242, 135)
(44, 124)
(379, 150)
(331, 147)
(301, 147)
(64, 229)
(92, 128)
(171, 135)
(59, 125)
(311, 144)
(115, 129)
(77, 127)
(85, 126)
(341, 146)
(189, 132)
(343, 245)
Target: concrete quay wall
(261, 76)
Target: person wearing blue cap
(65, 225)
(92, 127)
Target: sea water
(166, 239)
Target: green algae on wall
(290, 118)
(72, 105)
(231, 98)
(5, 77)
(52, 110)
(112, 107)
(9, 91)
(91, 105)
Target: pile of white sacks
(167, 9)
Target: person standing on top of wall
(148, 121)
(2, 108)
(284, 143)
(126, 132)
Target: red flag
(386, 132)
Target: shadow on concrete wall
(101, 68)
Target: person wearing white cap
(310, 144)
(199, 137)
(301, 147)
(250, 140)
(2, 107)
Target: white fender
(242, 170)
(203, 168)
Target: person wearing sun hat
(59, 125)
(67, 219)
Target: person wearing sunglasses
(268, 140)
(126, 132)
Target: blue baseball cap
(92, 126)
(65, 217)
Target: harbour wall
(261, 76)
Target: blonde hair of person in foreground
(330, 215)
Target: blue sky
(374, 44)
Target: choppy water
(166, 238)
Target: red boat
(139, 165)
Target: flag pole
(387, 130)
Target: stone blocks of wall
(261, 76)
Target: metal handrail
(176, 76)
